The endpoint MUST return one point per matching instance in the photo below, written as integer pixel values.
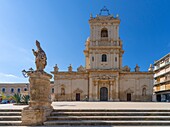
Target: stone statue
(40, 57)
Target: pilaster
(117, 89)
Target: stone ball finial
(117, 16)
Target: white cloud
(8, 75)
(10, 78)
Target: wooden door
(103, 94)
(129, 97)
(77, 96)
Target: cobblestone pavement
(99, 105)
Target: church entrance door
(129, 97)
(103, 94)
(77, 96)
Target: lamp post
(25, 73)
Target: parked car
(12, 101)
(5, 102)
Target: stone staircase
(120, 117)
(10, 117)
(94, 117)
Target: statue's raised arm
(40, 57)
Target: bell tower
(104, 46)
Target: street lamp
(25, 73)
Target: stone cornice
(134, 73)
(104, 20)
(104, 47)
(70, 75)
(102, 71)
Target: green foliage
(17, 98)
(25, 99)
(4, 97)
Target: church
(103, 78)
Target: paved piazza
(99, 105)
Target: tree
(17, 97)
(25, 99)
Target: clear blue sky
(62, 28)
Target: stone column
(117, 89)
(40, 104)
(111, 90)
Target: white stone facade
(103, 78)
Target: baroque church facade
(103, 78)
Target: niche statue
(40, 57)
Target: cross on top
(104, 9)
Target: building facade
(9, 89)
(162, 79)
(103, 78)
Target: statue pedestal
(40, 104)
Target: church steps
(111, 110)
(113, 118)
(10, 110)
(110, 113)
(107, 123)
(10, 123)
(99, 117)
(10, 113)
(10, 117)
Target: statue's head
(37, 44)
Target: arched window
(3, 90)
(62, 91)
(52, 90)
(92, 58)
(104, 58)
(12, 90)
(104, 32)
(25, 89)
(115, 59)
(144, 92)
(18, 90)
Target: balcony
(162, 72)
(161, 82)
(157, 68)
(104, 38)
